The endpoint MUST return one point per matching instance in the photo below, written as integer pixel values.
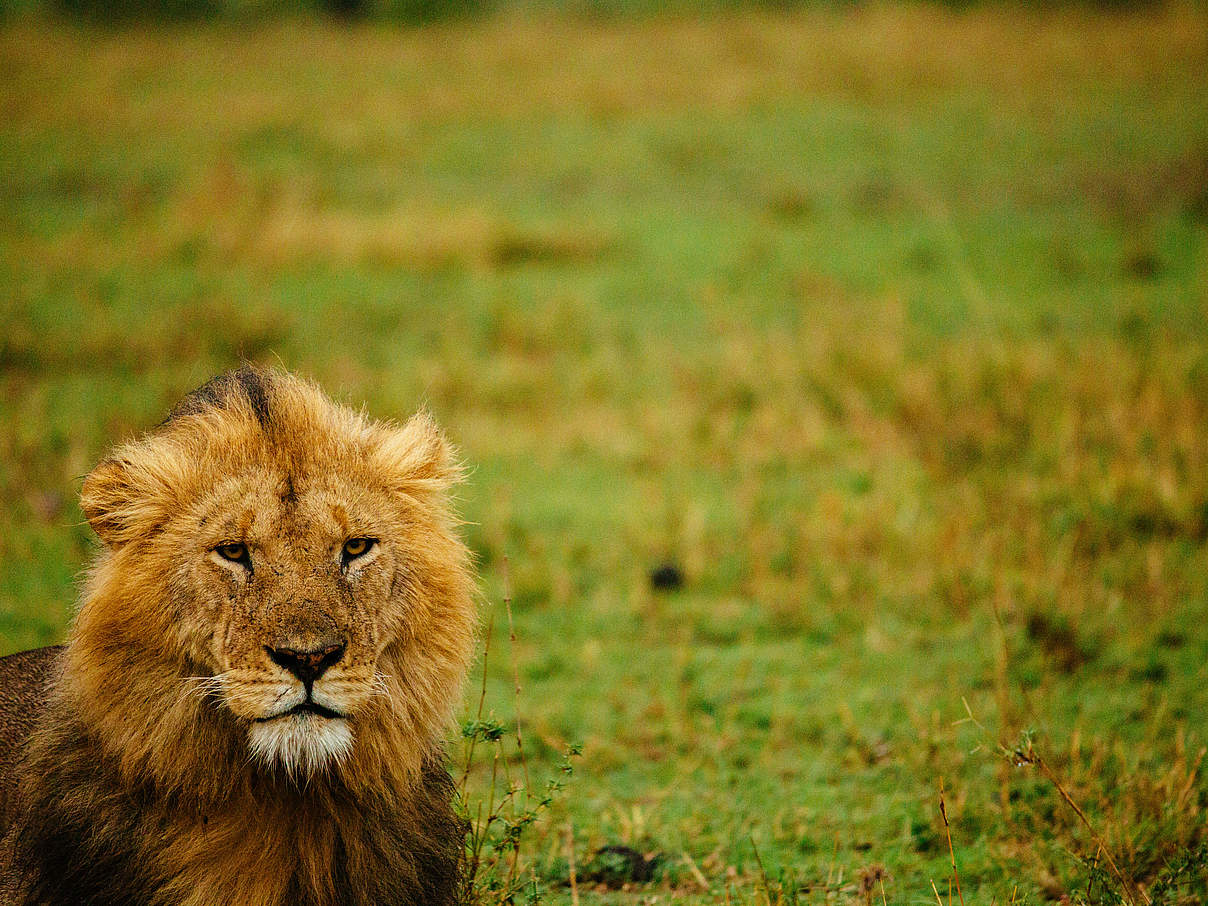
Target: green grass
(886, 326)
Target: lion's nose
(307, 665)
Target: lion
(251, 704)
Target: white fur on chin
(301, 744)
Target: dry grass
(375, 80)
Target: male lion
(250, 705)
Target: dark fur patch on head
(249, 382)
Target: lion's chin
(301, 743)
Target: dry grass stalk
(951, 852)
(1131, 892)
(697, 874)
(763, 875)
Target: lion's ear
(130, 495)
(418, 457)
(104, 499)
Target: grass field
(886, 326)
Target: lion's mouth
(304, 708)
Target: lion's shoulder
(25, 681)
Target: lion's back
(25, 681)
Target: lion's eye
(356, 547)
(235, 552)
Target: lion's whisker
(201, 686)
(379, 685)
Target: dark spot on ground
(1143, 266)
(1170, 638)
(791, 206)
(616, 865)
(1136, 194)
(1152, 671)
(666, 577)
(1058, 640)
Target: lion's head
(281, 578)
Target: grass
(884, 326)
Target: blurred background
(833, 378)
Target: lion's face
(300, 560)
(292, 587)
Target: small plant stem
(481, 839)
(570, 861)
(482, 697)
(479, 842)
(507, 603)
(938, 898)
(512, 866)
(951, 852)
(1002, 695)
